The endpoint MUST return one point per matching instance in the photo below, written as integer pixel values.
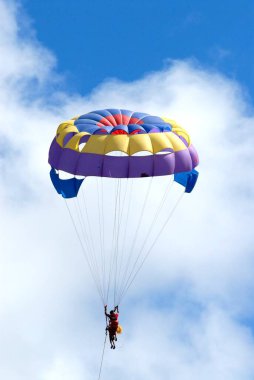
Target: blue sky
(194, 294)
(95, 40)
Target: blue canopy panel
(68, 188)
(187, 179)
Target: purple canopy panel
(68, 137)
(90, 164)
(183, 161)
(164, 164)
(116, 167)
(84, 138)
(140, 166)
(194, 156)
(54, 154)
(68, 160)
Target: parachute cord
(150, 249)
(131, 250)
(112, 246)
(145, 240)
(111, 251)
(117, 241)
(85, 217)
(84, 253)
(92, 249)
(124, 223)
(93, 260)
(103, 238)
(103, 351)
(117, 225)
(100, 235)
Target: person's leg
(111, 338)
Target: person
(112, 325)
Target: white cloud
(21, 59)
(188, 322)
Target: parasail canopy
(128, 162)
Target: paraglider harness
(112, 325)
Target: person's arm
(105, 310)
(116, 309)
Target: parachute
(122, 174)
